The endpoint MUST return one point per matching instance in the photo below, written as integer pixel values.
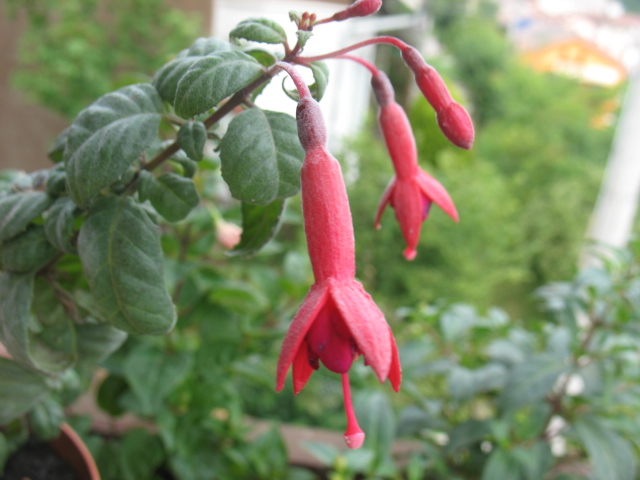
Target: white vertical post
(615, 211)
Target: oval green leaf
(261, 156)
(58, 226)
(260, 223)
(213, 78)
(44, 341)
(173, 196)
(191, 138)
(27, 252)
(20, 390)
(260, 30)
(167, 78)
(107, 137)
(119, 247)
(17, 210)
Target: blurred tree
(632, 5)
(524, 193)
(74, 51)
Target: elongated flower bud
(453, 119)
(360, 8)
(312, 131)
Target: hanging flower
(411, 191)
(338, 320)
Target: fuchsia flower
(412, 190)
(453, 119)
(338, 320)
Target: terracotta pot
(70, 448)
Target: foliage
(524, 193)
(489, 397)
(118, 237)
(69, 55)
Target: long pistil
(353, 435)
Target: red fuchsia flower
(360, 8)
(412, 190)
(453, 119)
(338, 320)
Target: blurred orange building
(579, 59)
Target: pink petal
(302, 369)
(366, 323)
(395, 372)
(433, 190)
(312, 304)
(383, 202)
(408, 203)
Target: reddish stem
(370, 66)
(396, 42)
(303, 89)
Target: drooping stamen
(353, 435)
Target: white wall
(346, 101)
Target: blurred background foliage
(73, 51)
(524, 194)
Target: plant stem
(396, 42)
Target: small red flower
(412, 190)
(338, 320)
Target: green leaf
(57, 182)
(56, 152)
(534, 460)
(213, 78)
(611, 456)
(110, 393)
(152, 373)
(467, 433)
(260, 30)
(321, 76)
(5, 451)
(191, 138)
(261, 156)
(464, 382)
(531, 380)
(107, 137)
(17, 210)
(27, 252)
(58, 225)
(303, 37)
(259, 225)
(173, 196)
(97, 341)
(119, 247)
(167, 78)
(501, 465)
(45, 419)
(45, 342)
(20, 389)
(376, 418)
(140, 454)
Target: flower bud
(456, 124)
(312, 131)
(453, 119)
(382, 88)
(360, 8)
